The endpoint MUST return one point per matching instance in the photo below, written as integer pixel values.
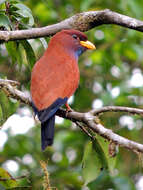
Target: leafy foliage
(9, 182)
(93, 161)
(111, 75)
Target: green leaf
(43, 42)
(29, 53)
(12, 50)
(1, 115)
(13, 1)
(15, 51)
(103, 181)
(24, 11)
(19, 54)
(9, 182)
(21, 6)
(8, 107)
(25, 20)
(4, 106)
(85, 5)
(111, 161)
(93, 162)
(4, 21)
(101, 154)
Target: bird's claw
(68, 109)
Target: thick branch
(8, 87)
(82, 21)
(111, 136)
(89, 119)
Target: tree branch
(89, 119)
(82, 21)
(117, 109)
(9, 88)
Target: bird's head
(72, 41)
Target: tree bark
(82, 21)
(88, 119)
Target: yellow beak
(87, 44)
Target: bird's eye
(74, 36)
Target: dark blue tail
(47, 118)
(47, 132)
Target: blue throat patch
(80, 50)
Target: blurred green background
(111, 75)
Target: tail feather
(47, 132)
(47, 118)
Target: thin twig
(117, 109)
(84, 130)
(13, 178)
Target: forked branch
(89, 119)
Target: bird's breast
(52, 79)
(70, 78)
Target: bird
(55, 77)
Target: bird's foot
(68, 108)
